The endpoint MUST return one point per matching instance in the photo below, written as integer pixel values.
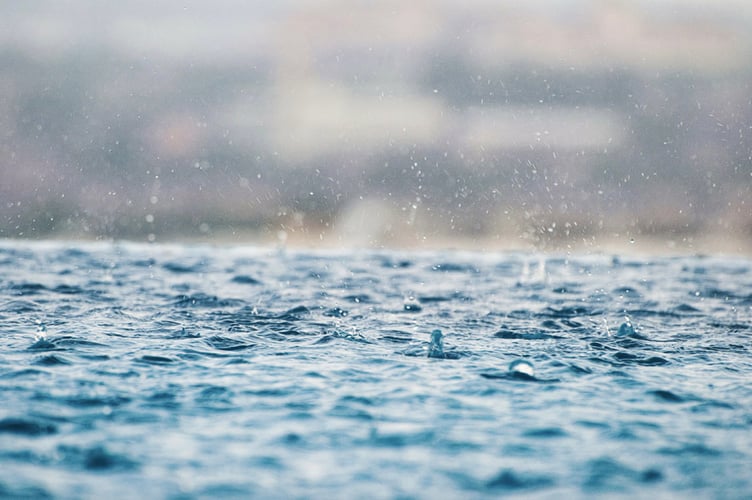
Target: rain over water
(355, 249)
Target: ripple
(631, 358)
(449, 267)
(26, 427)
(512, 335)
(244, 279)
(24, 491)
(295, 314)
(668, 396)
(42, 344)
(545, 433)
(511, 480)
(156, 360)
(200, 300)
(692, 449)
(86, 401)
(606, 474)
(569, 312)
(20, 306)
(52, 360)
(181, 268)
(26, 288)
(95, 458)
(227, 344)
(70, 290)
(318, 374)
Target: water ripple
(189, 371)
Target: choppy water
(181, 372)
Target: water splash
(40, 339)
(626, 329)
(411, 304)
(436, 348)
(536, 275)
(41, 332)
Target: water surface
(199, 371)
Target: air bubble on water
(521, 367)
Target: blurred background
(550, 125)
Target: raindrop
(411, 304)
(626, 329)
(436, 348)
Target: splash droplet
(436, 349)
(626, 330)
(41, 332)
(412, 304)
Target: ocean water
(217, 372)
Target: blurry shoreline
(706, 244)
(545, 125)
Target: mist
(565, 125)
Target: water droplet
(625, 330)
(411, 304)
(521, 367)
(436, 348)
(41, 330)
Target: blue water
(199, 371)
